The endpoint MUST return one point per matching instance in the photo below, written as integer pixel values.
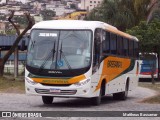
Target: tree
(20, 20)
(47, 14)
(149, 37)
(115, 12)
(147, 8)
(156, 15)
(3, 17)
(19, 37)
(125, 14)
(10, 32)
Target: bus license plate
(52, 90)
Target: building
(5, 44)
(2, 1)
(3, 26)
(4, 10)
(60, 9)
(89, 4)
(37, 18)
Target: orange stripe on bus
(109, 73)
(59, 80)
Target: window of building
(12, 62)
(8, 63)
(20, 63)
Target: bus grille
(62, 92)
(56, 84)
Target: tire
(122, 95)
(47, 99)
(97, 100)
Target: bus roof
(80, 24)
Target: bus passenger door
(96, 71)
(97, 56)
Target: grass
(155, 99)
(10, 85)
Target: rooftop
(68, 24)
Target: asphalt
(22, 102)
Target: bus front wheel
(97, 100)
(47, 99)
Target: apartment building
(3, 26)
(89, 4)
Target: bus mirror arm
(22, 46)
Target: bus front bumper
(84, 90)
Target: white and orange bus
(87, 59)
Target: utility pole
(16, 62)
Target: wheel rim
(126, 91)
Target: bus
(148, 65)
(82, 59)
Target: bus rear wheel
(121, 95)
(47, 99)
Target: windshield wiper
(53, 51)
(65, 59)
(32, 44)
(51, 54)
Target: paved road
(21, 102)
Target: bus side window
(136, 49)
(106, 42)
(119, 45)
(97, 43)
(131, 46)
(113, 44)
(125, 48)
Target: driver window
(96, 51)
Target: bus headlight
(30, 81)
(83, 82)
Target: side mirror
(22, 47)
(28, 36)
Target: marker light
(30, 81)
(83, 82)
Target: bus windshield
(59, 49)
